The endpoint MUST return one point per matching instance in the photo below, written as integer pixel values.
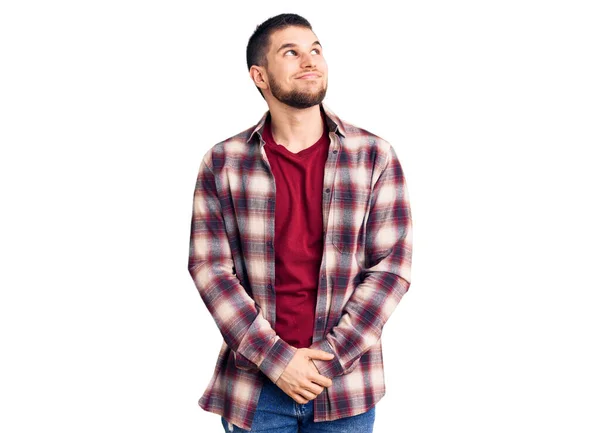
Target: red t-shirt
(298, 234)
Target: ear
(258, 75)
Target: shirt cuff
(330, 368)
(277, 359)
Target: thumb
(319, 354)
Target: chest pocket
(349, 211)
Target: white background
(107, 108)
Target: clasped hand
(301, 380)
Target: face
(296, 71)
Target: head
(286, 63)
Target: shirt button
(270, 286)
(327, 190)
(335, 151)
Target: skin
(293, 101)
(301, 380)
(297, 124)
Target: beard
(297, 98)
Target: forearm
(386, 274)
(361, 325)
(239, 319)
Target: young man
(300, 247)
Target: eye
(294, 51)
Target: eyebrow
(291, 45)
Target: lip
(308, 76)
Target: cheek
(323, 67)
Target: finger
(299, 399)
(319, 354)
(319, 379)
(307, 394)
(313, 388)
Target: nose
(308, 61)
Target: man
(300, 247)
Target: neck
(296, 128)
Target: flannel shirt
(365, 269)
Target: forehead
(291, 35)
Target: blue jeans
(277, 412)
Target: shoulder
(234, 148)
(359, 140)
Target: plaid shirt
(365, 269)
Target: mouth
(309, 76)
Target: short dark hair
(258, 44)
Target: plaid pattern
(365, 269)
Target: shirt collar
(333, 123)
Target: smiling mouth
(309, 77)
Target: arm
(239, 319)
(388, 252)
